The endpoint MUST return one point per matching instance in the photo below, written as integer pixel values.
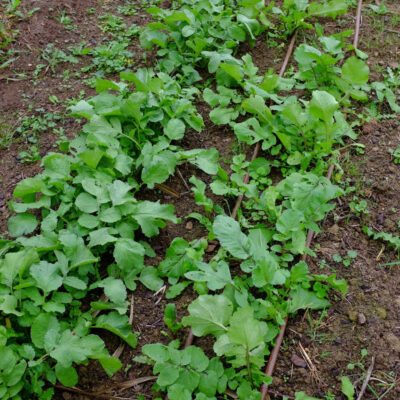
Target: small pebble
(189, 225)
(298, 361)
(361, 319)
(210, 248)
(352, 315)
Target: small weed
(359, 363)
(358, 206)
(111, 23)
(54, 56)
(66, 21)
(347, 260)
(315, 325)
(381, 9)
(396, 155)
(11, 11)
(31, 127)
(110, 58)
(30, 156)
(128, 9)
(7, 132)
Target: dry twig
(367, 378)
(311, 366)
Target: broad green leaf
(57, 166)
(168, 374)
(46, 276)
(43, 202)
(355, 71)
(16, 263)
(179, 259)
(259, 239)
(66, 375)
(256, 105)
(156, 351)
(28, 186)
(88, 221)
(222, 115)
(119, 325)
(157, 164)
(331, 8)
(86, 203)
(71, 348)
(110, 364)
(49, 223)
(347, 388)
(114, 289)
(150, 37)
(151, 279)
(101, 237)
(75, 282)
(216, 279)
(323, 105)
(82, 109)
(110, 215)
(303, 299)
(233, 70)
(290, 220)
(9, 304)
(91, 157)
(119, 192)
(151, 216)
(175, 129)
(228, 232)
(268, 272)
(209, 315)
(129, 255)
(22, 224)
(206, 160)
(245, 330)
(43, 324)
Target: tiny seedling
(358, 206)
(396, 155)
(346, 260)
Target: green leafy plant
(54, 56)
(294, 14)
(81, 228)
(396, 155)
(358, 206)
(184, 373)
(170, 318)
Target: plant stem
(248, 365)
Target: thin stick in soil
(367, 378)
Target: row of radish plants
(78, 229)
